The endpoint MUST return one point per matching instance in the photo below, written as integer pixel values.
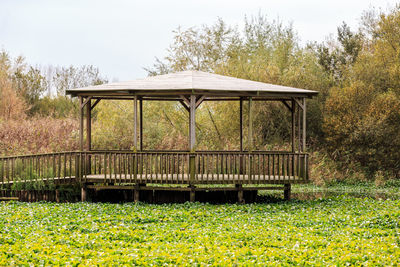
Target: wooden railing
(125, 167)
(52, 167)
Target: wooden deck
(120, 167)
(179, 171)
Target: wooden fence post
(83, 193)
(287, 191)
(240, 193)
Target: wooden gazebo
(192, 169)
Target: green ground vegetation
(340, 230)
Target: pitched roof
(193, 81)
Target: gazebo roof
(191, 82)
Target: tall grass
(38, 135)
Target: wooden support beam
(83, 194)
(287, 191)
(182, 188)
(240, 193)
(135, 123)
(192, 194)
(200, 100)
(298, 103)
(250, 138)
(192, 141)
(88, 125)
(293, 133)
(241, 123)
(136, 194)
(287, 105)
(304, 124)
(299, 129)
(185, 99)
(141, 124)
(95, 103)
(81, 123)
(86, 101)
(184, 105)
(192, 144)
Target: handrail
(119, 167)
(158, 151)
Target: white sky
(121, 37)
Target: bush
(38, 135)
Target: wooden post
(89, 125)
(250, 125)
(241, 123)
(303, 161)
(192, 121)
(88, 134)
(304, 124)
(240, 193)
(81, 123)
(57, 196)
(250, 170)
(136, 194)
(141, 124)
(287, 191)
(192, 144)
(241, 134)
(192, 194)
(299, 129)
(293, 137)
(293, 126)
(83, 193)
(135, 123)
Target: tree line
(353, 125)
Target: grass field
(340, 230)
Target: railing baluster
(146, 167)
(273, 166)
(259, 156)
(2, 171)
(160, 178)
(130, 161)
(287, 166)
(8, 170)
(177, 168)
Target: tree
(362, 119)
(264, 51)
(12, 106)
(337, 57)
(75, 77)
(196, 49)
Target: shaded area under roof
(191, 82)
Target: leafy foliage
(362, 119)
(335, 231)
(264, 51)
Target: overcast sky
(121, 37)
